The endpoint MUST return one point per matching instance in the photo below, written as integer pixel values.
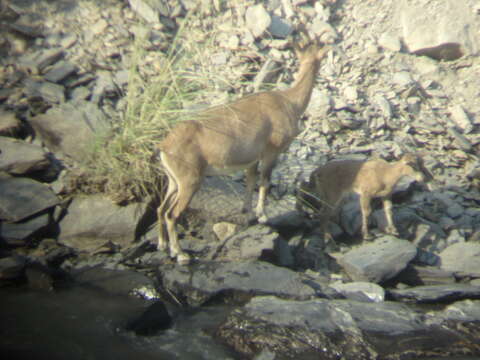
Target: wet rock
(152, 320)
(11, 267)
(19, 157)
(92, 220)
(462, 257)
(378, 261)
(114, 282)
(353, 329)
(361, 291)
(436, 293)
(202, 282)
(22, 197)
(70, 128)
(39, 277)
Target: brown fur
(330, 183)
(241, 135)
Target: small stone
(257, 19)
(461, 119)
(223, 230)
(390, 42)
(99, 27)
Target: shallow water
(83, 323)
(87, 324)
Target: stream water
(87, 324)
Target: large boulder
(442, 30)
(378, 261)
(201, 282)
(21, 198)
(19, 157)
(70, 128)
(93, 220)
(462, 257)
(326, 328)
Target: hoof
(393, 232)
(262, 219)
(183, 259)
(162, 247)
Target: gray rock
(220, 199)
(22, 197)
(461, 119)
(70, 128)
(279, 27)
(200, 282)
(15, 234)
(415, 275)
(390, 42)
(11, 267)
(39, 60)
(114, 282)
(50, 92)
(93, 220)
(224, 230)
(324, 327)
(257, 20)
(462, 257)
(442, 31)
(436, 293)
(250, 244)
(60, 71)
(150, 10)
(18, 157)
(9, 123)
(465, 310)
(361, 291)
(378, 261)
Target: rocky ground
(404, 76)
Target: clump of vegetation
(122, 163)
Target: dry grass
(122, 164)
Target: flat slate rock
(326, 328)
(23, 197)
(70, 128)
(18, 157)
(462, 257)
(378, 261)
(15, 234)
(115, 282)
(437, 293)
(200, 282)
(92, 220)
